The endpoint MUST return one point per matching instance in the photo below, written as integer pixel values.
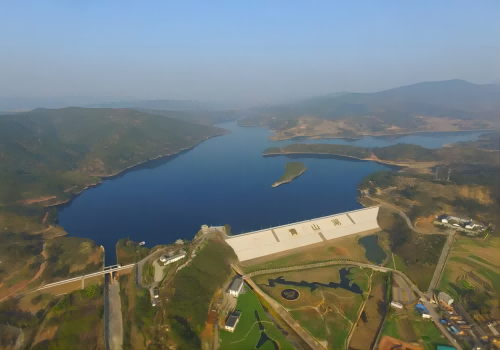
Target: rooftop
(231, 320)
(236, 284)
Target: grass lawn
(391, 327)
(339, 248)
(428, 332)
(400, 264)
(335, 305)
(247, 332)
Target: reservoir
(373, 251)
(224, 180)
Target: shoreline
(313, 137)
(107, 177)
(400, 165)
(277, 183)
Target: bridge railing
(109, 269)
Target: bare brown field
(366, 330)
(425, 224)
(64, 288)
(476, 246)
(94, 280)
(389, 343)
(311, 126)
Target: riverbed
(224, 180)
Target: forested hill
(451, 105)
(53, 152)
(400, 153)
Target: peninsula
(402, 155)
(292, 171)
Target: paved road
(113, 315)
(153, 256)
(402, 214)
(438, 271)
(427, 304)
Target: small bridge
(81, 279)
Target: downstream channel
(224, 180)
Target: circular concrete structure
(290, 294)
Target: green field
(247, 334)
(425, 330)
(391, 327)
(338, 307)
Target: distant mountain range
(458, 104)
(28, 103)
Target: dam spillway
(278, 239)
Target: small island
(292, 171)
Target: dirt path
(360, 311)
(37, 275)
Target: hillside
(400, 154)
(430, 106)
(47, 154)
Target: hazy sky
(245, 50)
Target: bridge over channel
(75, 282)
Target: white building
(236, 286)
(471, 226)
(396, 304)
(445, 219)
(168, 260)
(232, 321)
(442, 296)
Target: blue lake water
(224, 180)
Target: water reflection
(345, 283)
